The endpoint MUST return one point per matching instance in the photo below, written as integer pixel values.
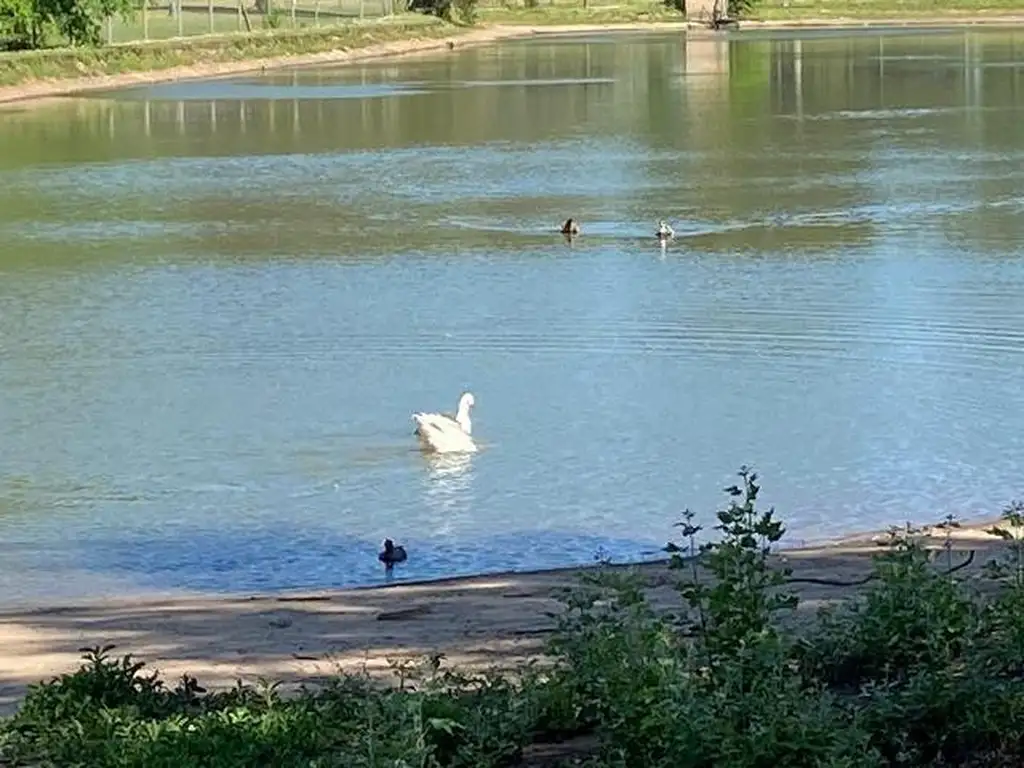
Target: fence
(166, 19)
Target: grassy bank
(923, 668)
(953, 10)
(576, 13)
(65, 63)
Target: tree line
(28, 23)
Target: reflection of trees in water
(745, 113)
(449, 115)
(803, 122)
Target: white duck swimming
(444, 433)
(665, 232)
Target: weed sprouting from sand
(922, 667)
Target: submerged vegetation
(921, 669)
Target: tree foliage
(740, 8)
(18, 24)
(456, 11)
(34, 23)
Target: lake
(220, 303)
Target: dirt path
(476, 622)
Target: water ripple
(214, 333)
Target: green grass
(599, 12)
(26, 66)
(609, 12)
(921, 668)
(158, 24)
(796, 10)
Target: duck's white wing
(441, 432)
(440, 422)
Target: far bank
(27, 77)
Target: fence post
(293, 14)
(316, 14)
(110, 30)
(209, 13)
(362, 9)
(145, 19)
(243, 16)
(181, 18)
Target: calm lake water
(220, 302)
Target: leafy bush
(740, 8)
(716, 686)
(108, 713)
(911, 619)
(19, 24)
(440, 8)
(921, 669)
(274, 18)
(25, 23)
(466, 10)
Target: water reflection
(843, 71)
(219, 305)
(449, 487)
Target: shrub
(19, 24)
(25, 23)
(921, 669)
(740, 8)
(466, 11)
(440, 8)
(912, 618)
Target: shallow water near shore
(221, 301)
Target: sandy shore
(297, 638)
(41, 91)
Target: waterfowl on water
(444, 433)
(570, 228)
(665, 232)
(392, 554)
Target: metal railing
(166, 19)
